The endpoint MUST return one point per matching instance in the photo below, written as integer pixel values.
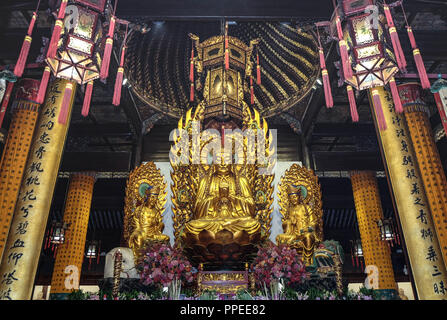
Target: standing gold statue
(301, 208)
(144, 205)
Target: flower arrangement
(163, 265)
(275, 264)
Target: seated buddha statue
(300, 226)
(147, 221)
(224, 201)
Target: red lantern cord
(258, 69)
(63, 115)
(352, 104)
(87, 99)
(347, 70)
(227, 53)
(191, 66)
(252, 96)
(398, 52)
(396, 97)
(5, 102)
(191, 92)
(120, 74)
(325, 76)
(43, 85)
(54, 42)
(378, 110)
(416, 54)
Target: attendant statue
(144, 205)
(301, 209)
(148, 221)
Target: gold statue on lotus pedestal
(301, 208)
(144, 205)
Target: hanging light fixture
(93, 251)
(357, 253)
(56, 236)
(80, 49)
(388, 231)
(370, 51)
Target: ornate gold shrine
(144, 205)
(301, 209)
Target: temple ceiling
(157, 65)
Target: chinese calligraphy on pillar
(422, 245)
(23, 246)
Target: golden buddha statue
(144, 202)
(300, 202)
(224, 201)
(147, 222)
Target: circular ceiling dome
(157, 64)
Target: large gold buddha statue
(224, 201)
(300, 206)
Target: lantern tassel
(418, 60)
(396, 98)
(227, 54)
(347, 70)
(191, 66)
(191, 93)
(378, 109)
(43, 85)
(258, 71)
(104, 73)
(352, 104)
(327, 89)
(5, 102)
(63, 115)
(54, 42)
(252, 96)
(87, 99)
(118, 87)
(62, 8)
(397, 47)
(24, 52)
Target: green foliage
(243, 295)
(208, 295)
(77, 295)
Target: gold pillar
(424, 254)
(76, 214)
(368, 208)
(429, 162)
(24, 243)
(15, 153)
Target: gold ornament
(144, 205)
(301, 208)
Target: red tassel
(52, 49)
(191, 66)
(63, 115)
(258, 71)
(418, 60)
(111, 27)
(252, 95)
(23, 56)
(5, 102)
(347, 70)
(322, 61)
(21, 62)
(398, 52)
(227, 59)
(378, 109)
(87, 99)
(396, 97)
(191, 93)
(104, 73)
(339, 28)
(61, 13)
(43, 85)
(118, 87)
(352, 104)
(327, 89)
